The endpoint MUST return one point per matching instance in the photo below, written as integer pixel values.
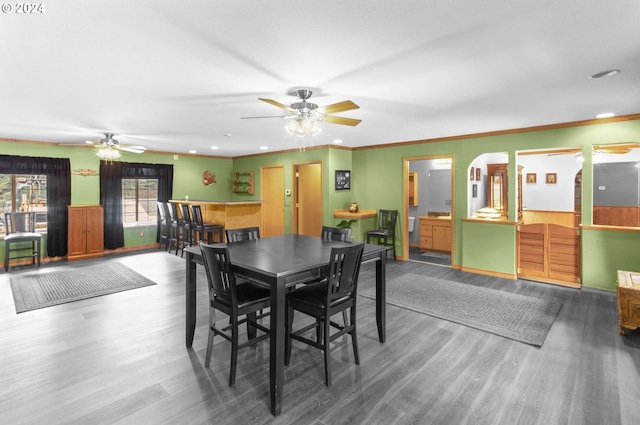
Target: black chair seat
(314, 294)
(247, 293)
(385, 234)
(19, 229)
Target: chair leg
(212, 323)
(7, 246)
(289, 321)
(234, 352)
(327, 352)
(354, 337)
(251, 330)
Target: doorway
(428, 209)
(307, 215)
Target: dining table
(281, 262)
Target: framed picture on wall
(551, 178)
(343, 179)
(472, 173)
(478, 174)
(474, 191)
(531, 177)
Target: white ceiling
(175, 76)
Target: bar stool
(174, 225)
(164, 226)
(202, 228)
(186, 228)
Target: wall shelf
(243, 182)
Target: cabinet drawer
(426, 230)
(426, 242)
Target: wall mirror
(488, 186)
(616, 185)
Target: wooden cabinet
(413, 189)
(436, 234)
(628, 300)
(86, 232)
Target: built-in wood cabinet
(436, 234)
(86, 232)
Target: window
(22, 192)
(139, 197)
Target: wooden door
(308, 220)
(272, 193)
(549, 253)
(77, 239)
(95, 230)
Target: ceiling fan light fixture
(108, 153)
(303, 126)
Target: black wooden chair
(385, 234)
(185, 225)
(21, 237)
(244, 234)
(174, 223)
(335, 234)
(164, 226)
(201, 228)
(235, 300)
(322, 300)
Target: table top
(281, 256)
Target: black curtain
(111, 175)
(58, 172)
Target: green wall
(377, 183)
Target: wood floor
(121, 359)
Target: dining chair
(164, 226)
(321, 300)
(20, 229)
(202, 228)
(244, 234)
(385, 233)
(175, 224)
(185, 225)
(234, 300)
(335, 234)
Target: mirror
(616, 185)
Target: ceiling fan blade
(279, 105)
(340, 120)
(347, 105)
(266, 116)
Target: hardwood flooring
(121, 359)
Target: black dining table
(280, 262)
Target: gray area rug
(39, 290)
(518, 317)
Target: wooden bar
(230, 214)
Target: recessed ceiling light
(192, 151)
(337, 141)
(607, 73)
(264, 148)
(605, 115)
(227, 134)
(214, 147)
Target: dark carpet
(45, 289)
(521, 318)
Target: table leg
(278, 334)
(381, 294)
(191, 299)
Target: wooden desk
(279, 262)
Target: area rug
(39, 290)
(518, 317)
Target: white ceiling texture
(175, 76)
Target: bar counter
(231, 214)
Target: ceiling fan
(303, 109)
(109, 142)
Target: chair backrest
(19, 222)
(335, 234)
(217, 265)
(196, 214)
(344, 269)
(387, 220)
(185, 215)
(162, 211)
(172, 211)
(245, 234)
